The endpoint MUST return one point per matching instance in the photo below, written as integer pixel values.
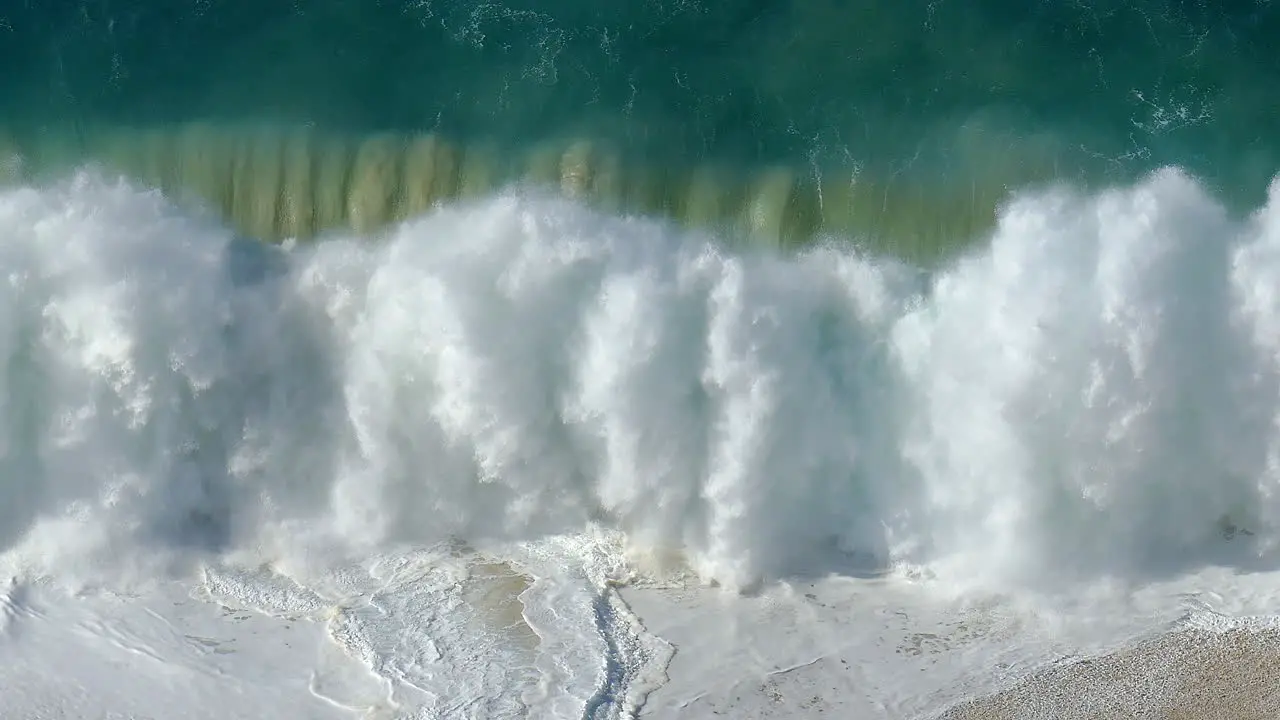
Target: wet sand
(1186, 675)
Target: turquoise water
(936, 107)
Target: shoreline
(824, 650)
(1188, 674)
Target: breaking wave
(1092, 392)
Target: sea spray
(1093, 393)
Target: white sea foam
(1092, 394)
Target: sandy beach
(1186, 675)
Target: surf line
(276, 182)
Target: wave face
(1093, 393)
(940, 94)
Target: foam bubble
(1094, 393)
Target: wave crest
(1093, 392)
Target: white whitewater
(449, 446)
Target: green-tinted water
(931, 109)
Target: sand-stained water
(278, 182)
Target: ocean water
(903, 124)
(458, 317)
